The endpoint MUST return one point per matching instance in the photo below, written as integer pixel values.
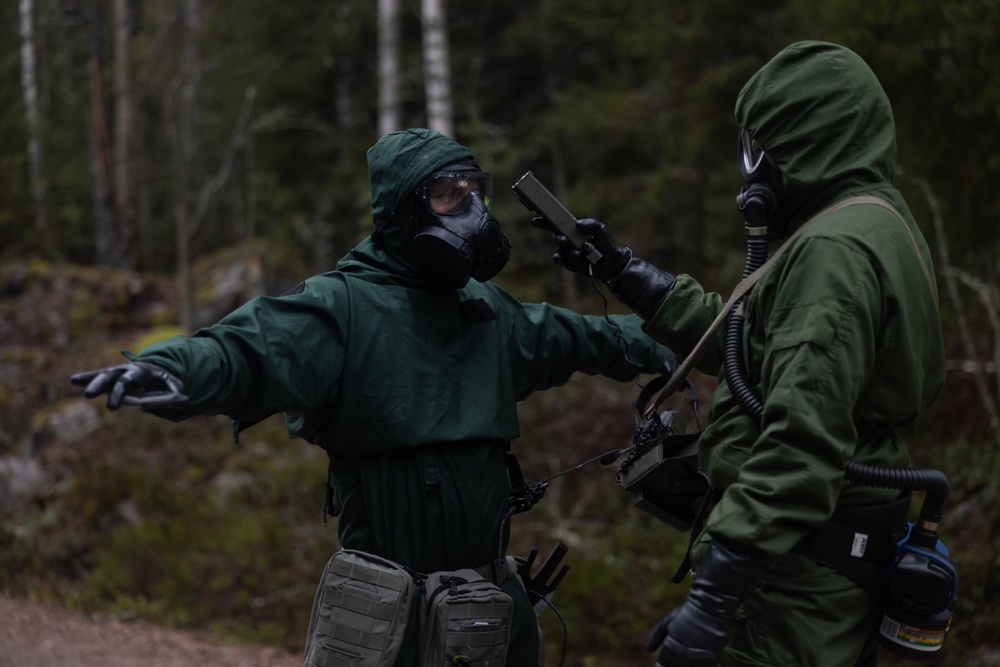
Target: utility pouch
(464, 620)
(859, 542)
(360, 612)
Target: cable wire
(617, 327)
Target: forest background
(163, 161)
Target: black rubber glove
(694, 634)
(614, 257)
(642, 287)
(139, 383)
(637, 283)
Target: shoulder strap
(876, 201)
(681, 373)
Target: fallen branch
(987, 295)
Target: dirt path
(33, 635)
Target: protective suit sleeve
(683, 317)
(550, 343)
(273, 354)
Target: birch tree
(389, 112)
(29, 86)
(437, 70)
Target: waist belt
(859, 542)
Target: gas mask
(456, 235)
(764, 191)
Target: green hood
(820, 113)
(397, 163)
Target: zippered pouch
(464, 620)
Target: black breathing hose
(934, 482)
(756, 204)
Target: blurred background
(164, 161)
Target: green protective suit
(411, 388)
(842, 343)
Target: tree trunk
(388, 67)
(105, 246)
(437, 70)
(344, 100)
(184, 158)
(125, 210)
(35, 154)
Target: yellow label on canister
(919, 639)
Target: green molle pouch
(464, 620)
(360, 612)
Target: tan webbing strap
(875, 201)
(495, 571)
(681, 373)
(682, 370)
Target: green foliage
(624, 107)
(200, 533)
(618, 585)
(621, 560)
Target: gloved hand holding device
(694, 634)
(139, 383)
(637, 283)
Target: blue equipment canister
(921, 596)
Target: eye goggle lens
(751, 153)
(445, 191)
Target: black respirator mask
(764, 196)
(456, 235)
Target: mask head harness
(456, 236)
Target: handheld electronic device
(661, 469)
(536, 197)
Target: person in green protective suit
(405, 364)
(840, 346)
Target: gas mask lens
(751, 155)
(445, 192)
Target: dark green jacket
(843, 341)
(412, 389)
